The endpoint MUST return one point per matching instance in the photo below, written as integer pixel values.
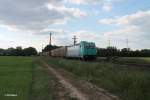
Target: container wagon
(45, 53)
(59, 52)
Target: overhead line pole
(109, 42)
(42, 47)
(50, 38)
(127, 41)
(74, 40)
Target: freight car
(45, 53)
(83, 50)
(59, 52)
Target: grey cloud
(82, 1)
(53, 31)
(106, 5)
(34, 15)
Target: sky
(28, 23)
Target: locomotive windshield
(90, 45)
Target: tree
(19, 51)
(112, 51)
(101, 52)
(50, 47)
(126, 52)
(10, 52)
(29, 51)
(145, 52)
(2, 52)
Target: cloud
(86, 35)
(139, 19)
(133, 26)
(83, 1)
(35, 15)
(106, 5)
(48, 31)
(72, 12)
(133, 19)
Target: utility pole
(42, 47)
(50, 38)
(75, 40)
(109, 42)
(127, 43)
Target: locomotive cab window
(91, 45)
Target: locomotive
(82, 50)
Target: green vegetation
(15, 77)
(128, 83)
(42, 86)
(23, 78)
(125, 52)
(147, 59)
(133, 60)
(18, 51)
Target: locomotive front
(88, 50)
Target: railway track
(134, 65)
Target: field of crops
(22, 78)
(15, 78)
(121, 80)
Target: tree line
(101, 52)
(125, 52)
(50, 47)
(18, 51)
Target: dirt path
(79, 89)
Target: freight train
(82, 50)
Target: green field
(128, 83)
(22, 78)
(15, 77)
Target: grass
(15, 77)
(25, 78)
(128, 83)
(42, 86)
(133, 60)
(147, 59)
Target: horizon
(28, 23)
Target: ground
(45, 78)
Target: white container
(73, 51)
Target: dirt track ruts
(81, 91)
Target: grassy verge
(127, 83)
(42, 86)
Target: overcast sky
(28, 22)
